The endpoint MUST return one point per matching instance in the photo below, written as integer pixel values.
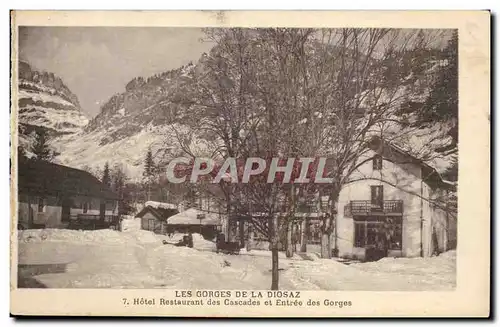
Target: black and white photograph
(237, 158)
(102, 111)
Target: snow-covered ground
(139, 259)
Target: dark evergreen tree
(41, 148)
(106, 178)
(149, 173)
(149, 166)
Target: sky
(97, 62)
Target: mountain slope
(150, 113)
(45, 102)
(159, 113)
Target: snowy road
(138, 259)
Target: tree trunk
(303, 235)
(333, 224)
(229, 221)
(241, 227)
(249, 237)
(328, 227)
(289, 225)
(275, 267)
(326, 252)
(325, 245)
(289, 243)
(274, 252)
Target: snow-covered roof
(47, 178)
(160, 205)
(423, 164)
(192, 217)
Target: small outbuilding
(154, 216)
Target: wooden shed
(154, 218)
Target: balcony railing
(363, 208)
(93, 217)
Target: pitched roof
(191, 217)
(161, 205)
(45, 178)
(430, 173)
(160, 213)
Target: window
(377, 197)
(41, 205)
(377, 162)
(368, 233)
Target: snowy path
(110, 259)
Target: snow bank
(96, 236)
(437, 272)
(101, 236)
(428, 264)
(199, 242)
(144, 236)
(130, 224)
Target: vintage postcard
(250, 164)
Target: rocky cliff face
(45, 102)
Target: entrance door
(66, 209)
(102, 211)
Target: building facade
(395, 200)
(56, 196)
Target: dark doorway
(102, 211)
(66, 209)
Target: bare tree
(303, 93)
